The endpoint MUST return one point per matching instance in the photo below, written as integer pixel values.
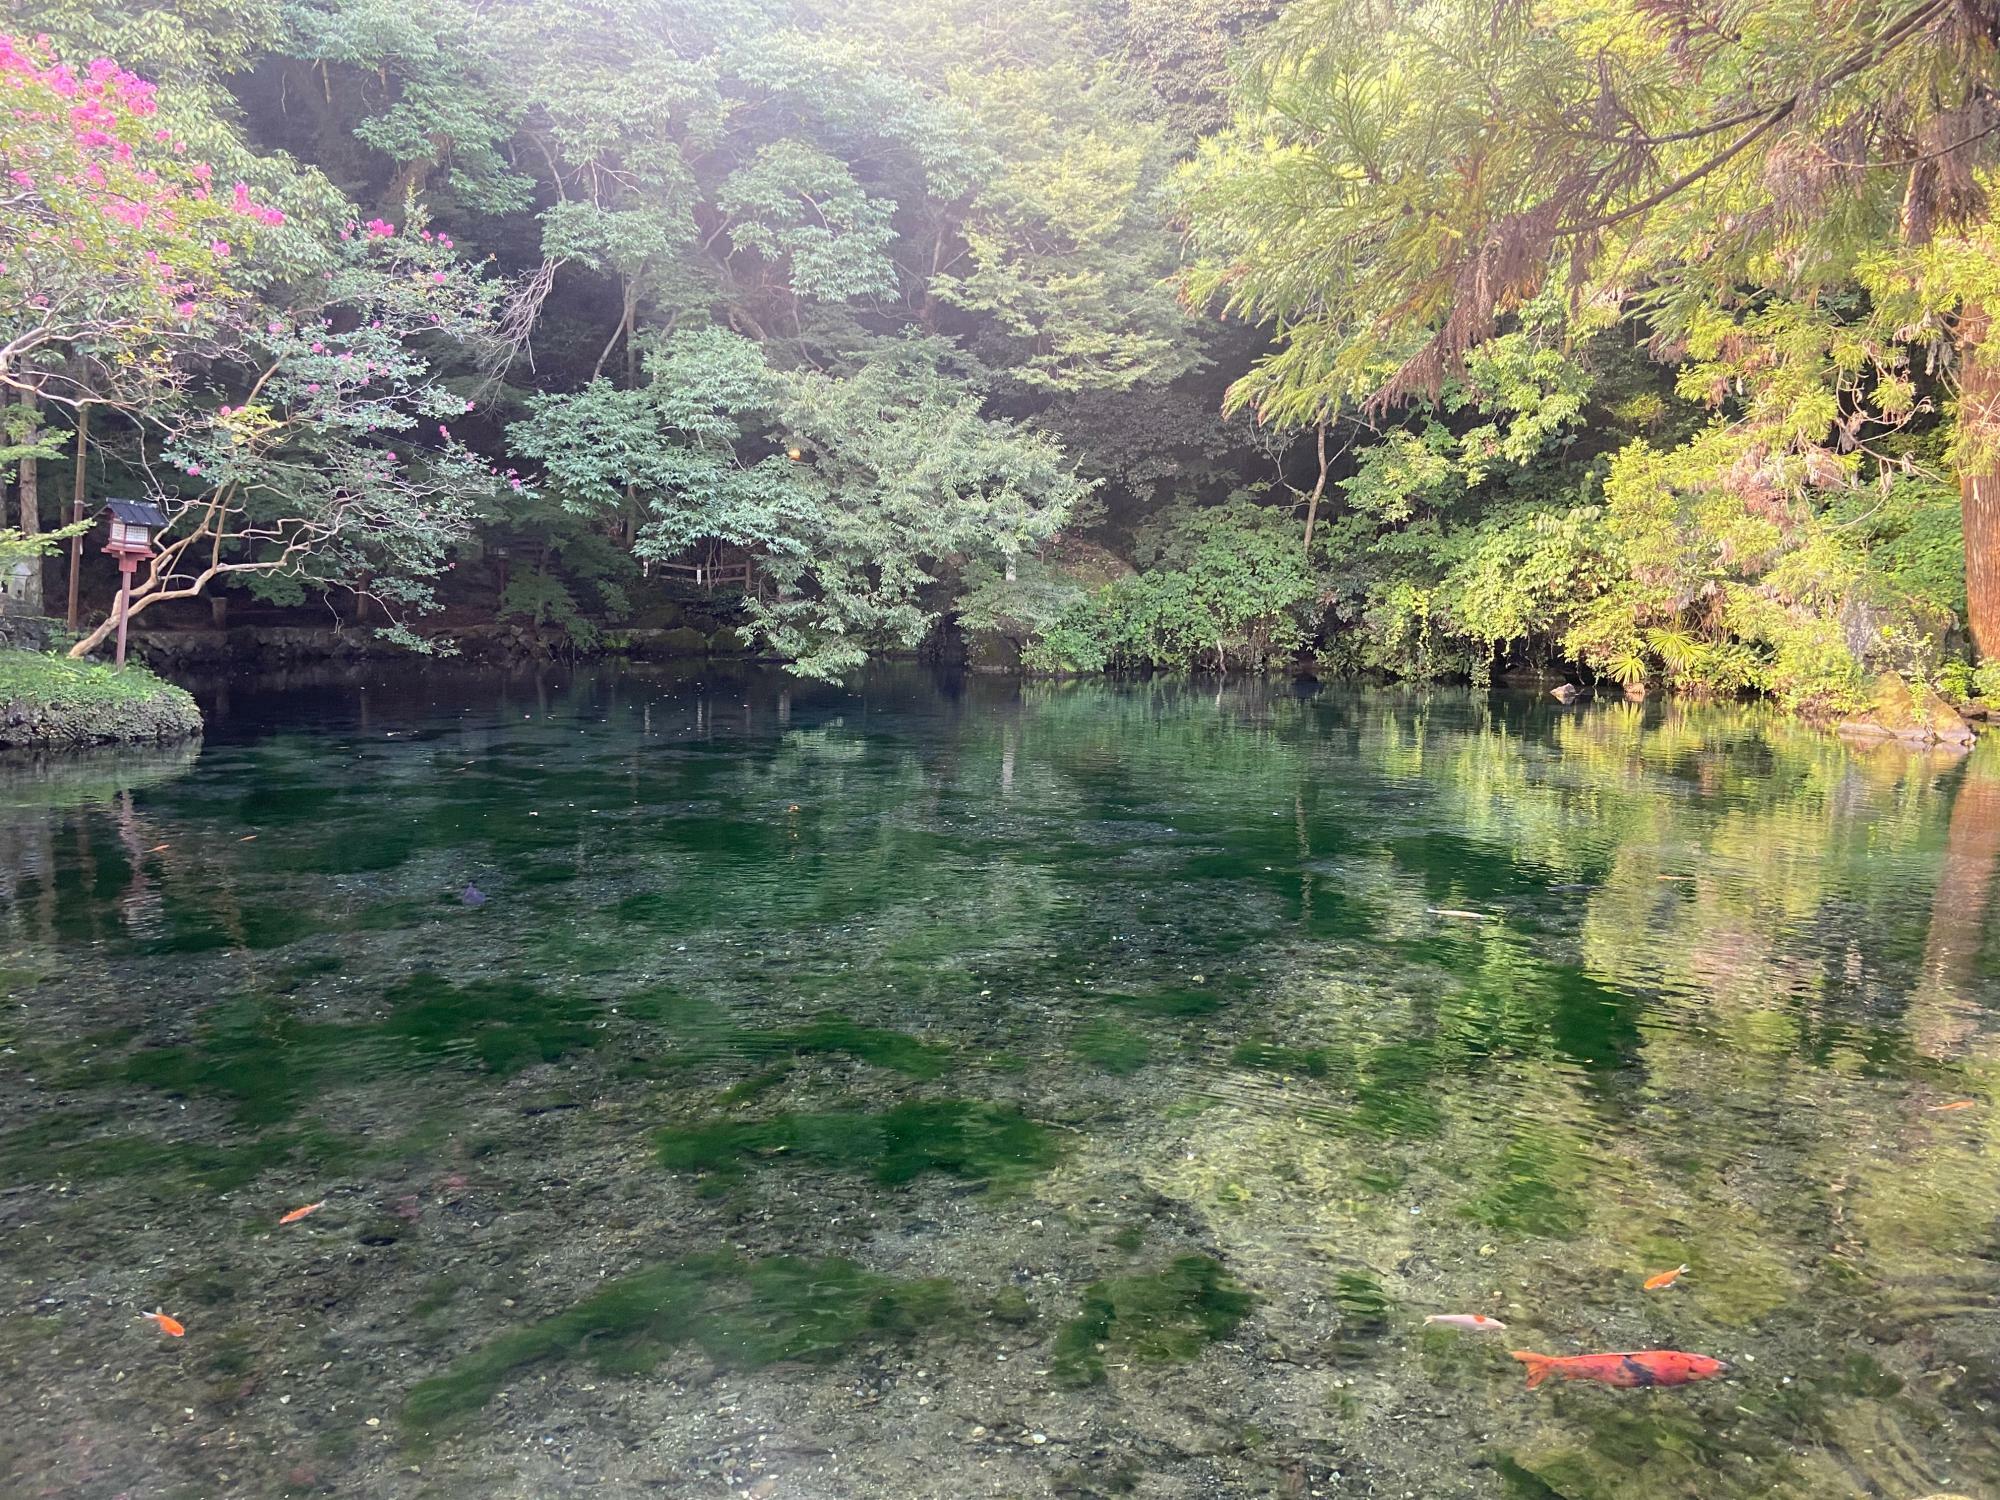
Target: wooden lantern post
(133, 523)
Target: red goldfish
(1955, 1104)
(171, 1327)
(299, 1213)
(1476, 1321)
(1646, 1367)
(1665, 1278)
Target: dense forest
(1644, 340)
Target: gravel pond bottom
(717, 1085)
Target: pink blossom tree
(294, 429)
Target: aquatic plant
(1165, 1317)
(742, 1314)
(992, 1143)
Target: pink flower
(379, 229)
(202, 171)
(185, 310)
(445, 241)
(219, 249)
(438, 277)
(23, 179)
(444, 432)
(313, 389)
(194, 469)
(390, 456)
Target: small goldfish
(1955, 1104)
(1646, 1367)
(299, 1213)
(1478, 1322)
(171, 1327)
(158, 848)
(1458, 911)
(247, 838)
(1665, 1278)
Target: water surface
(966, 1089)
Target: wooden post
(74, 619)
(125, 566)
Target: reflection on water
(961, 1089)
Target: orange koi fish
(171, 1327)
(1665, 1278)
(299, 1213)
(1478, 1322)
(1955, 1104)
(1646, 1367)
(247, 838)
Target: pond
(722, 1085)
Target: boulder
(1913, 712)
(1565, 692)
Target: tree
(260, 404)
(1409, 177)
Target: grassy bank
(53, 701)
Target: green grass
(53, 700)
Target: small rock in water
(472, 895)
(1566, 692)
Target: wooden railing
(711, 575)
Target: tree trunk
(1979, 486)
(31, 515)
(72, 617)
(1312, 506)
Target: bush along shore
(51, 701)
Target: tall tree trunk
(31, 513)
(1979, 486)
(71, 616)
(1319, 488)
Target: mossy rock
(1903, 710)
(682, 640)
(55, 702)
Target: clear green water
(932, 1090)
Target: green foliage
(1229, 586)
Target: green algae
(741, 1314)
(1166, 1317)
(990, 1143)
(1114, 1048)
(504, 1024)
(1304, 1062)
